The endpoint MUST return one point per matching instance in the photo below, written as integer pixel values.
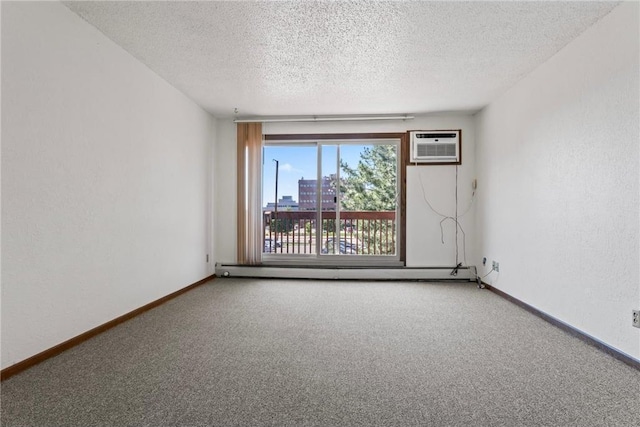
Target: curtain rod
(319, 119)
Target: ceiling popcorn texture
(335, 57)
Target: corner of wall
(558, 166)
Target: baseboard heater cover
(347, 273)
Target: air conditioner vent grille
(433, 135)
(436, 150)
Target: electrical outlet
(496, 266)
(636, 318)
(484, 261)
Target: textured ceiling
(328, 57)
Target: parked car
(270, 245)
(345, 247)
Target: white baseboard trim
(347, 273)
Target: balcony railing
(360, 233)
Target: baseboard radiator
(348, 273)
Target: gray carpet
(237, 352)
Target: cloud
(288, 168)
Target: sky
(296, 162)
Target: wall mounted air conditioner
(435, 146)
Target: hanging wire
(454, 219)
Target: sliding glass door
(288, 199)
(331, 202)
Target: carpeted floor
(241, 352)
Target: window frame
(329, 137)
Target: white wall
(424, 247)
(105, 181)
(558, 155)
(225, 193)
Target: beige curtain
(249, 194)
